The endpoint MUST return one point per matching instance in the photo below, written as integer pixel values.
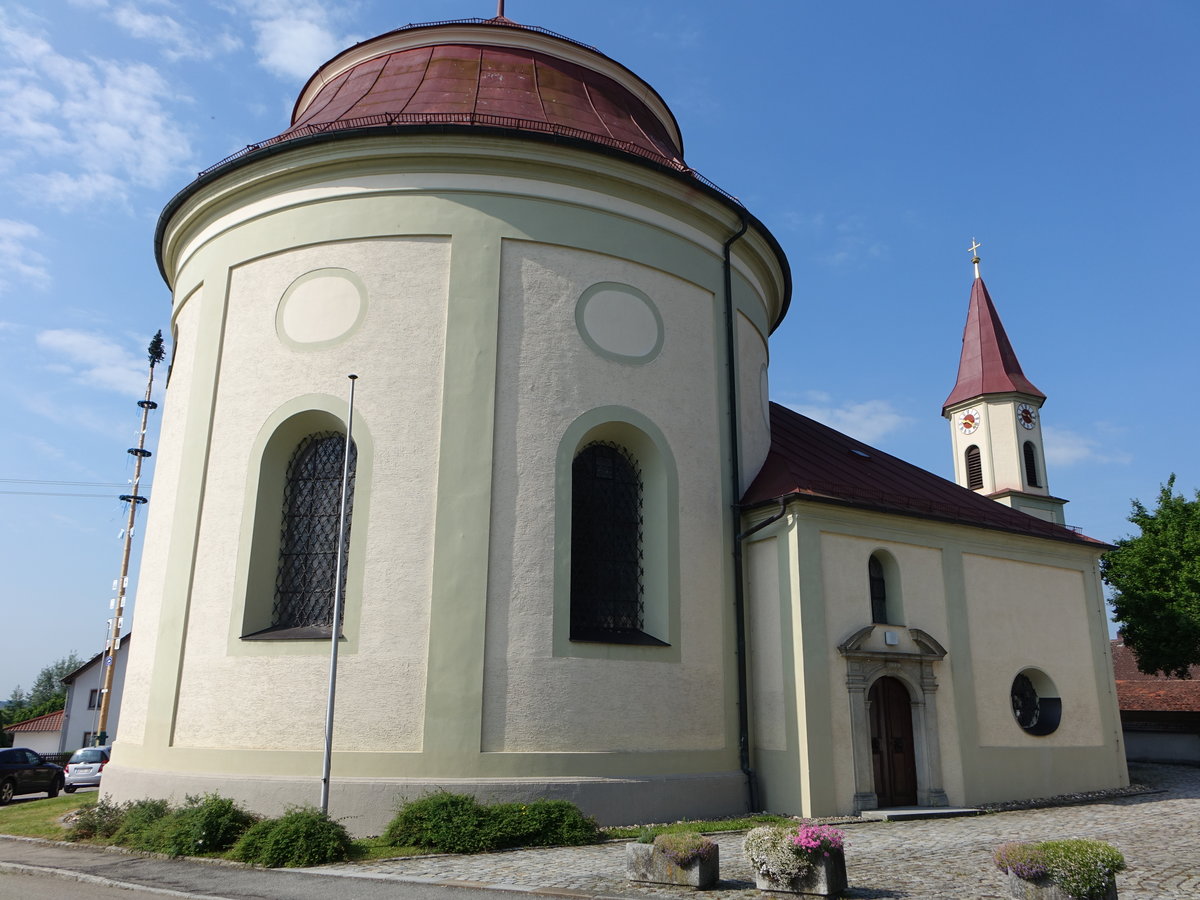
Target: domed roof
(486, 73)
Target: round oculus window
(1036, 704)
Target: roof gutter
(735, 484)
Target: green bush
(542, 823)
(457, 823)
(139, 820)
(208, 824)
(304, 836)
(452, 823)
(101, 819)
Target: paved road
(940, 859)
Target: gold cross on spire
(975, 245)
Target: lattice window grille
(308, 544)
(606, 543)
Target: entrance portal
(892, 751)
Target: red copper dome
(489, 73)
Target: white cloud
(18, 261)
(97, 125)
(94, 359)
(1065, 448)
(836, 242)
(866, 420)
(293, 38)
(178, 40)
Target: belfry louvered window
(308, 548)
(606, 546)
(1031, 476)
(974, 468)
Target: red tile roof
(814, 462)
(49, 722)
(1152, 693)
(988, 364)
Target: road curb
(83, 878)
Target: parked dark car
(85, 766)
(24, 772)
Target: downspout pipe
(735, 486)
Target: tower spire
(988, 364)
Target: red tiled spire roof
(988, 364)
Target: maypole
(134, 499)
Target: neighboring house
(587, 557)
(82, 707)
(40, 734)
(1160, 716)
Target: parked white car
(84, 767)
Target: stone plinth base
(827, 879)
(645, 862)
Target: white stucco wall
(559, 378)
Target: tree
(1156, 579)
(48, 684)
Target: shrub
(208, 824)
(101, 819)
(1080, 868)
(441, 821)
(685, 847)
(303, 836)
(457, 823)
(139, 819)
(542, 823)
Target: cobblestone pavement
(932, 859)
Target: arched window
(606, 546)
(974, 468)
(879, 615)
(1031, 476)
(308, 548)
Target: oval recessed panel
(619, 321)
(320, 307)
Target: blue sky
(875, 139)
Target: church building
(585, 557)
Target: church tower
(995, 416)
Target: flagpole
(335, 630)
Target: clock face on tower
(968, 422)
(1026, 415)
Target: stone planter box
(645, 862)
(827, 879)
(1021, 889)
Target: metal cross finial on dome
(499, 9)
(975, 245)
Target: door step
(906, 813)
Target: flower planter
(1021, 889)
(645, 862)
(827, 878)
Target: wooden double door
(892, 753)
